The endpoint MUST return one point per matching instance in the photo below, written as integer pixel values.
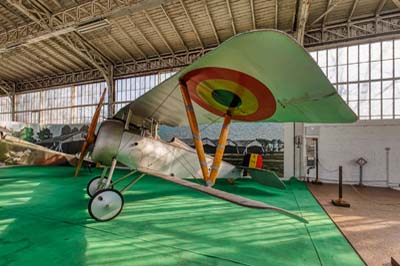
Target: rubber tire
(93, 179)
(94, 198)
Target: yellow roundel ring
(248, 102)
(221, 91)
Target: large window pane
(332, 59)
(397, 98)
(322, 58)
(364, 53)
(387, 89)
(387, 69)
(364, 71)
(364, 109)
(342, 90)
(5, 108)
(397, 48)
(354, 106)
(387, 50)
(342, 71)
(364, 91)
(387, 109)
(332, 74)
(397, 89)
(376, 51)
(353, 72)
(397, 68)
(364, 100)
(376, 90)
(313, 55)
(342, 56)
(387, 103)
(376, 70)
(397, 108)
(353, 92)
(353, 54)
(375, 109)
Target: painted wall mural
(261, 138)
(61, 138)
(35, 144)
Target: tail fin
(265, 177)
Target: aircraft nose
(108, 141)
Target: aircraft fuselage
(136, 151)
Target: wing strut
(195, 129)
(209, 179)
(219, 153)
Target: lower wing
(242, 201)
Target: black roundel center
(226, 98)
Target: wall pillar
(294, 132)
(111, 91)
(13, 103)
(288, 154)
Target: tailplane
(264, 177)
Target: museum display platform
(44, 221)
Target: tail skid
(239, 200)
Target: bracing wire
(164, 100)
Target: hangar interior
(57, 56)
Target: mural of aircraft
(15, 151)
(262, 75)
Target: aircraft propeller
(90, 136)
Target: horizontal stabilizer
(239, 200)
(265, 177)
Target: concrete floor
(371, 224)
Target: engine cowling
(108, 141)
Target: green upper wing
(301, 91)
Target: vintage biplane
(261, 75)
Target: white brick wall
(343, 144)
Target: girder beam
(43, 17)
(46, 25)
(301, 20)
(354, 30)
(128, 69)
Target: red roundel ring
(219, 90)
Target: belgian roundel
(221, 90)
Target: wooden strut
(195, 129)
(209, 179)
(219, 153)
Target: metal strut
(110, 174)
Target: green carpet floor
(44, 221)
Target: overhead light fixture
(92, 25)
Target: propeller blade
(90, 136)
(81, 156)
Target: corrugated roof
(156, 29)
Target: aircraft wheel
(105, 205)
(92, 186)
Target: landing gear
(106, 204)
(94, 185)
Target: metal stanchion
(340, 202)
(317, 181)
